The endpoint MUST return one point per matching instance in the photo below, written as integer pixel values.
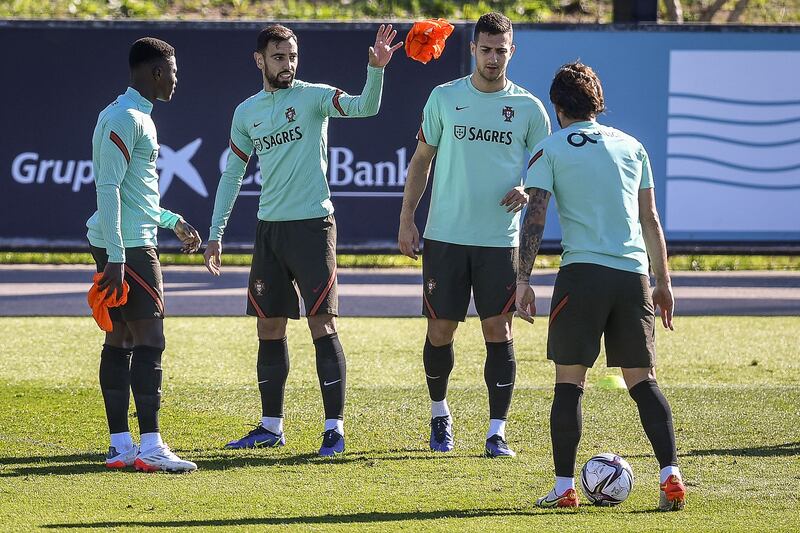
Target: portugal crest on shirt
(459, 131)
(291, 114)
(508, 113)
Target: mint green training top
(124, 154)
(483, 143)
(595, 173)
(288, 129)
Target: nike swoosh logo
(326, 383)
(315, 291)
(257, 124)
(462, 107)
(260, 382)
(508, 287)
(504, 384)
(432, 377)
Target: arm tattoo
(532, 232)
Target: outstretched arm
(336, 103)
(530, 241)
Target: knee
(148, 333)
(321, 325)
(440, 332)
(155, 339)
(497, 329)
(271, 328)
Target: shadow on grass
(350, 518)
(70, 458)
(788, 449)
(90, 463)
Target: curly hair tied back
(576, 90)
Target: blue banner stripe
(735, 102)
(738, 122)
(734, 141)
(736, 184)
(732, 165)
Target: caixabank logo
(35, 169)
(347, 174)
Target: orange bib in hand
(426, 39)
(100, 303)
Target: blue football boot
(259, 437)
(442, 434)
(332, 443)
(496, 447)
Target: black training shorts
(450, 271)
(590, 301)
(289, 255)
(143, 274)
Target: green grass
(593, 11)
(734, 385)
(677, 262)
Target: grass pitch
(734, 385)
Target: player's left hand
(189, 237)
(381, 53)
(525, 302)
(516, 199)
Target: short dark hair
(577, 91)
(276, 32)
(147, 49)
(492, 23)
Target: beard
(277, 82)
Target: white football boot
(161, 458)
(116, 459)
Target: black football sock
(438, 362)
(146, 386)
(115, 382)
(332, 374)
(656, 416)
(499, 372)
(272, 369)
(565, 427)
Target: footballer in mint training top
(124, 153)
(482, 143)
(288, 131)
(122, 234)
(481, 129)
(286, 125)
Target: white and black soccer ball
(606, 479)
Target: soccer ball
(606, 479)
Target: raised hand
(381, 52)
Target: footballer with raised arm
(481, 129)
(601, 180)
(122, 233)
(286, 125)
